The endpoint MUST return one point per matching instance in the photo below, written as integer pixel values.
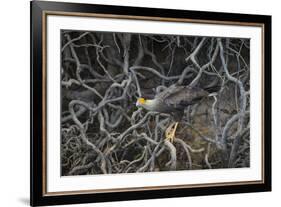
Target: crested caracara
(173, 100)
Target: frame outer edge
(36, 196)
(268, 101)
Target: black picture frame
(38, 105)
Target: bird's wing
(179, 97)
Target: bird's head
(141, 102)
(148, 104)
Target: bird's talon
(170, 132)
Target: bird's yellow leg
(171, 132)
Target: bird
(173, 100)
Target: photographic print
(133, 103)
